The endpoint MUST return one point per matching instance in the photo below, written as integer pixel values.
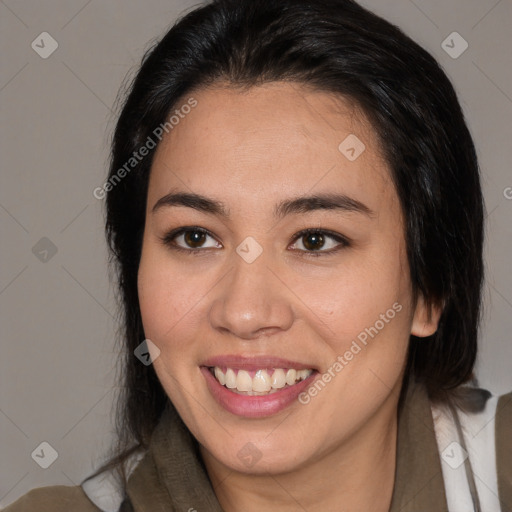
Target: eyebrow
(304, 204)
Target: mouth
(260, 382)
(256, 387)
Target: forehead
(269, 141)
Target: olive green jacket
(170, 476)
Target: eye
(190, 239)
(311, 241)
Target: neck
(358, 474)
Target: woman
(295, 212)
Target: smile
(260, 382)
(258, 386)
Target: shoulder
(53, 499)
(473, 439)
(504, 412)
(106, 489)
(504, 450)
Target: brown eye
(318, 242)
(313, 241)
(194, 239)
(191, 240)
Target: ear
(425, 319)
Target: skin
(251, 150)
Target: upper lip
(253, 363)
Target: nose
(251, 301)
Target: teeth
(303, 374)
(219, 375)
(291, 375)
(243, 381)
(261, 381)
(278, 379)
(264, 381)
(230, 379)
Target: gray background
(58, 316)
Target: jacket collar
(418, 476)
(172, 477)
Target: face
(278, 346)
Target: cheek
(166, 295)
(361, 293)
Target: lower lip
(254, 406)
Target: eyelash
(168, 240)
